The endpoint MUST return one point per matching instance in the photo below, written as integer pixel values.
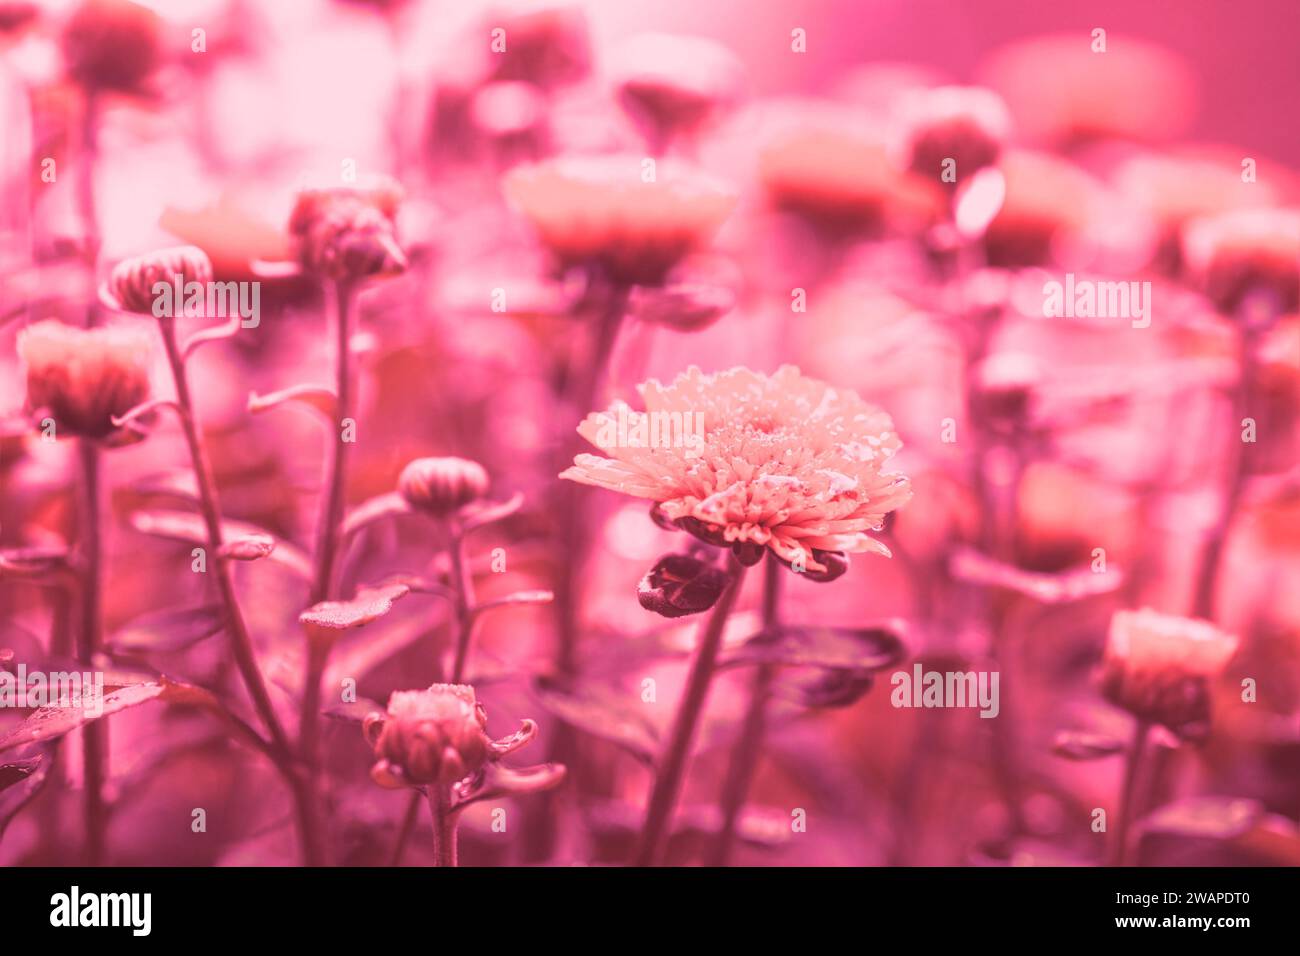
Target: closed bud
(131, 283)
(112, 44)
(348, 232)
(680, 584)
(442, 486)
(434, 736)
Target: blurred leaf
(171, 630)
(248, 547)
(603, 714)
(1047, 588)
(1081, 745)
(476, 516)
(823, 689)
(50, 723)
(520, 738)
(514, 600)
(20, 781)
(190, 528)
(316, 397)
(837, 648)
(1212, 818)
(47, 564)
(374, 509)
(354, 712)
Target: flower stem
(331, 513)
(95, 734)
(444, 825)
(672, 767)
(240, 640)
(1211, 558)
(1130, 795)
(462, 583)
(749, 745)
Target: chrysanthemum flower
(429, 736)
(781, 462)
(845, 183)
(674, 84)
(131, 283)
(966, 124)
(348, 232)
(1244, 252)
(601, 211)
(82, 378)
(1159, 666)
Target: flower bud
(1159, 667)
(680, 584)
(434, 736)
(112, 44)
(967, 125)
(348, 232)
(82, 378)
(131, 283)
(442, 486)
(1248, 252)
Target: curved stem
(672, 766)
(240, 641)
(95, 734)
(749, 745)
(444, 825)
(1130, 795)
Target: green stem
(444, 825)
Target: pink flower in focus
(603, 212)
(83, 378)
(428, 736)
(1248, 251)
(1158, 666)
(781, 462)
(348, 232)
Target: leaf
(248, 547)
(823, 689)
(51, 723)
(316, 397)
(1206, 818)
(143, 409)
(368, 605)
(498, 781)
(374, 509)
(513, 600)
(354, 712)
(214, 334)
(603, 714)
(20, 781)
(1046, 588)
(520, 738)
(476, 516)
(190, 528)
(42, 563)
(1082, 745)
(866, 649)
(173, 629)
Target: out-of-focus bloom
(753, 461)
(433, 736)
(603, 212)
(546, 42)
(112, 44)
(442, 486)
(82, 378)
(674, 84)
(1159, 666)
(16, 14)
(1244, 253)
(965, 124)
(1059, 90)
(1047, 200)
(131, 283)
(845, 183)
(348, 232)
(509, 111)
